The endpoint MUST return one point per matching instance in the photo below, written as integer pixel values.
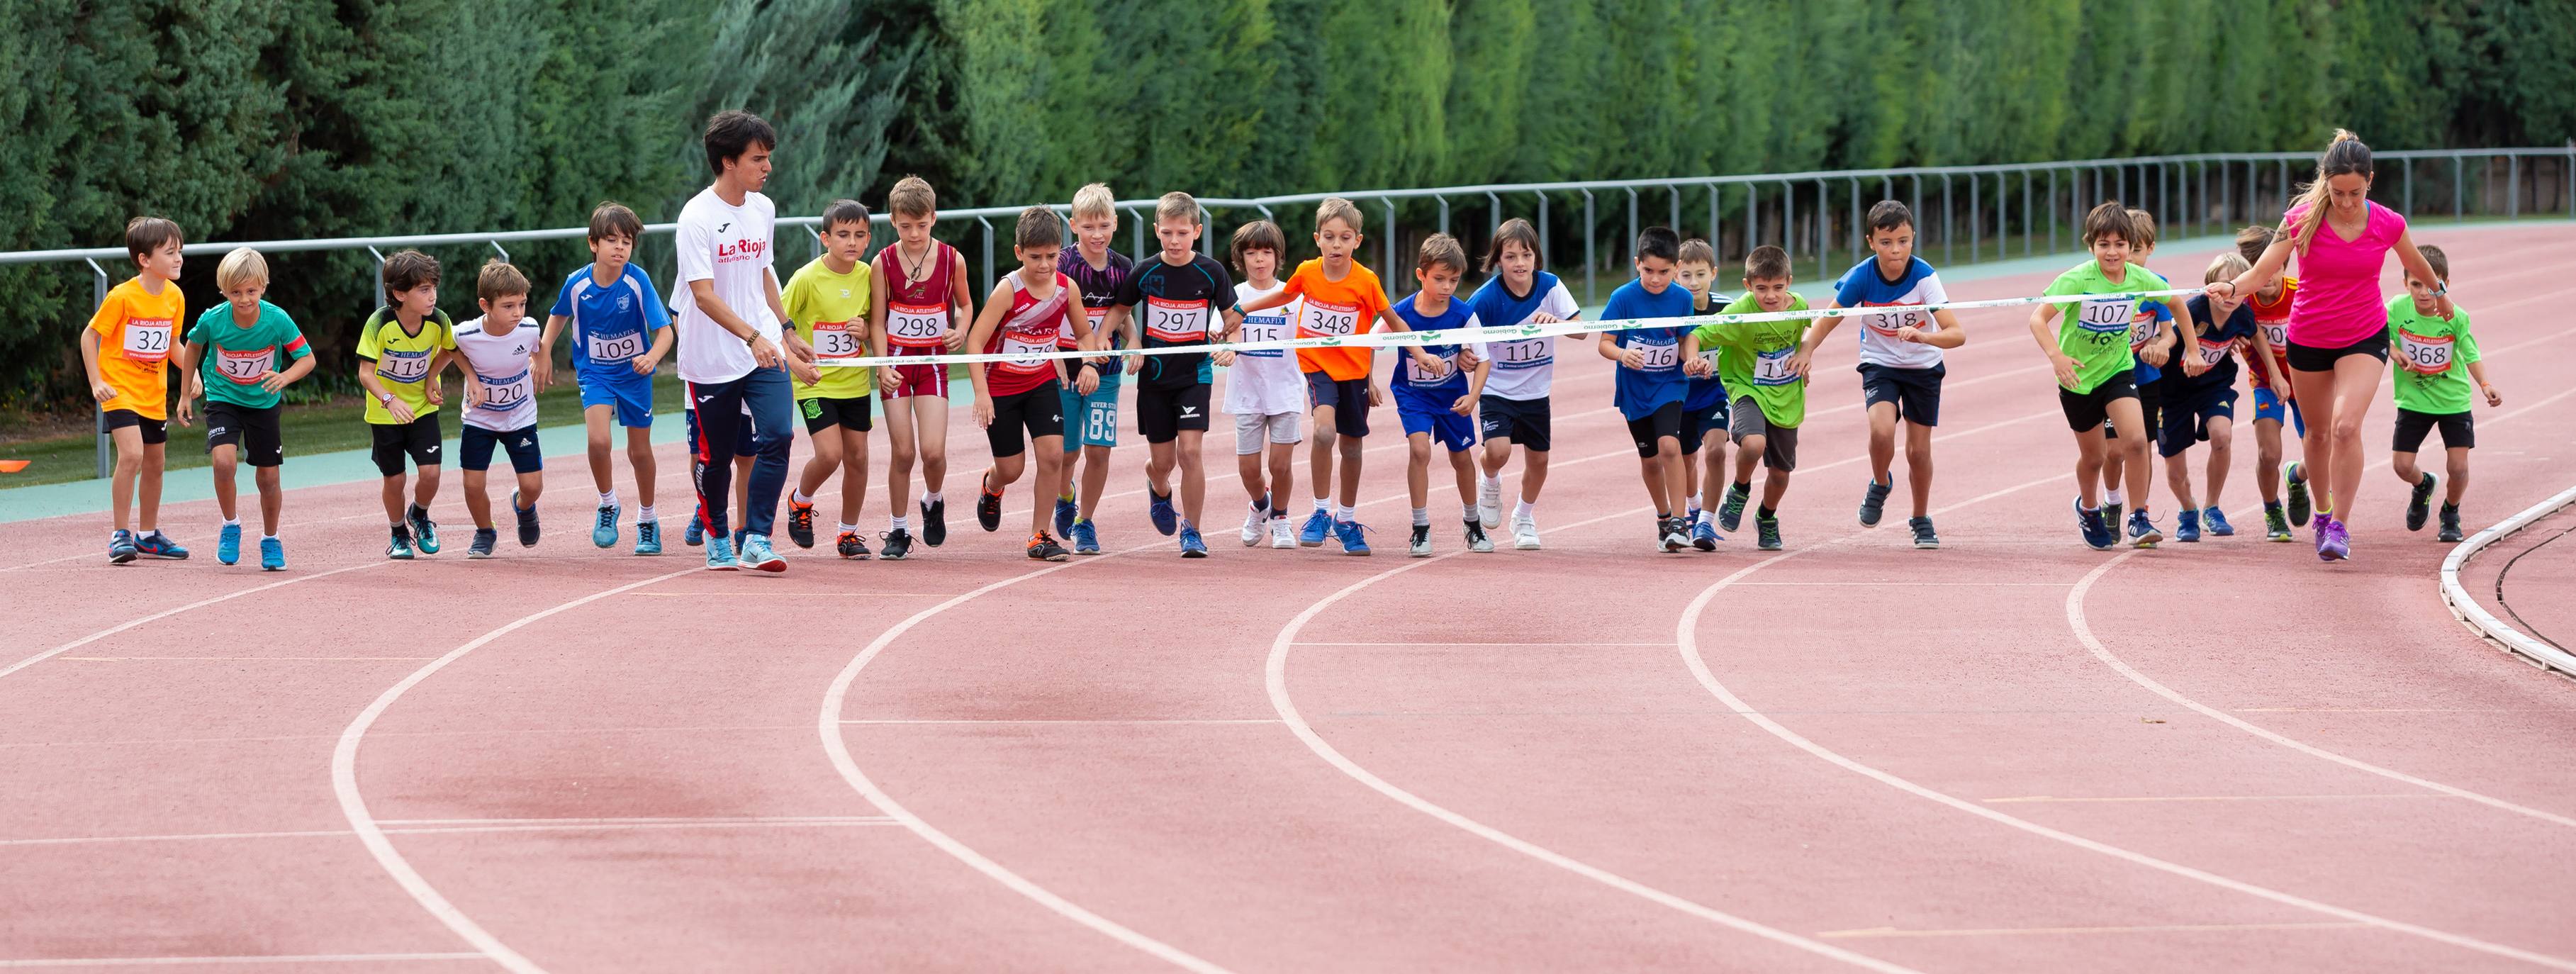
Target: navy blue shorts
(2187, 417)
(1523, 421)
(1916, 392)
(474, 448)
(1347, 397)
(1699, 420)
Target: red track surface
(2011, 754)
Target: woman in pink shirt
(2338, 324)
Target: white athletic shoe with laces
(1253, 522)
(1281, 534)
(1489, 504)
(1525, 533)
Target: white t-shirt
(501, 363)
(1881, 306)
(1265, 381)
(731, 246)
(1524, 369)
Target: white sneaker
(1525, 533)
(1489, 504)
(1281, 535)
(1252, 527)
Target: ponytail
(2346, 155)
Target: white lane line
(1303, 642)
(437, 826)
(353, 805)
(1881, 932)
(249, 659)
(233, 959)
(167, 613)
(1118, 721)
(2045, 799)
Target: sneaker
(1704, 535)
(1281, 535)
(1421, 545)
(695, 534)
(720, 556)
(1066, 511)
(1158, 507)
(2419, 505)
(1766, 532)
(1256, 526)
(1352, 537)
(1923, 536)
(481, 546)
(2111, 516)
(159, 545)
(1489, 505)
(2187, 527)
(934, 522)
(988, 507)
(1873, 501)
(424, 532)
(527, 521)
(1730, 512)
(898, 545)
(1086, 539)
(228, 545)
(2276, 523)
(2451, 523)
(2298, 476)
(1044, 548)
(1672, 535)
(1525, 533)
(120, 548)
(399, 549)
(604, 533)
(2097, 532)
(756, 553)
(1192, 546)
(800, 523)
(2333, 542)
(1317, 526)
(2214, 521)
(2142, 531)
(1477, 541)
(648, 537)
(272, 555)
(851, 546)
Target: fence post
(1976, 206)
(988, 252)
(2459, 179)
(1945, 218)
(1789, 220)
(98, 297)
(1444, 213)
(1589, 291)
(1675, 190)
(1753, 218)
(1497, 202)
(1386, 281)
(1717, 231)
(1632, 222)
(2052, 211)
(496, 246)
(1542, 227)
(1824, 232)
(2512, 187)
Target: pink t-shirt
(2338, 301)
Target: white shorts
(1251, 429)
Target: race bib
(916, 325)
(147, 341)
(245, 367)
(2105, 317)
(2212, 353)
(2142, 329)
(1018, 344)
(2278, 334)
(1176, 321)
(403, 366)
(1709, 356)
(1416, 375)
(1265, 328)
(1523, 354)
(1659, 358)
(1096, 316)
(2422, 355)
(1772, 368)
(612, 348)
(1326, 318)
(1897, 316)
(507, 392)
(833, 339)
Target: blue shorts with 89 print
(619, 386)
(1091, 420)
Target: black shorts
(474, 448)
(1779, 443)
(1522, 421)
(154, 430)
(1161, 414)
(2151, 403)
(2307, 358)
(252, 433)
(2187, 415)
(1038, 412)
(2085, 410)
(1347, 397)
(417, 439)
(1698, 423)
(2458, 431)
(1916, 392)
(823, 412)
(1665, 421)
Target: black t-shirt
(1176, 306)
(1099, 290)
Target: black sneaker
(1730, 512)
(1923, 536)
(2298, 478)
(988, 506)
(2451, 523)
(484, 541)
(800, 523)
(2111, 516)
(1767, 530)
(898, 543)
(852, 546)
(934, 522)
(527, 521)
(1873, 501)
(2419, 504)
(1044, 548)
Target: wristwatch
(385, 397)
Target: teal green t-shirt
(237, 357)
(2096, 333)
(1753, 358)
(2432, 358)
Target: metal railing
(1796, 210)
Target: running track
(2011, 754)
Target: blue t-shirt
(1419, 393)
(1888, 305)
(610, 323)
(2222, 338)
(1705, 393)
(1639, 392)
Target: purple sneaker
(2333, 542)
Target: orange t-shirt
(2274, 319)
(1346, 307)
(136, 329)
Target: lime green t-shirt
(236, 357)
(2431, 358)
(1753, 359)
(2096, 333)
(834, 307)
(401, 360)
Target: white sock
(1525, 510)
(801, 497)
(849, 528)
(2111, 496)
(1491, 483)
(932, 498)
(1322, 504)
(608, 499)
(1422, 517)
(644, 513)
(1706, 516)
(1344, 514)
(232, 522)
(900, 523)
(268, 537)
(1467, 511)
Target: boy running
(126, 351)
(1650, 384)
(249, 338)
(621, 330)
(2200, 404)
(1515, 404)
(827, 301)
(2436, 361)
(1704, 404)
(2267, 369)
(1263, 389)
(1900, 359)
(1175, 297)
(1026, 315)
(1770, 395)
(2153, 346)
(501, 357)
(1091, 399)
(402, 349)
(1438, 404)
(2096, 378)
(917, 297)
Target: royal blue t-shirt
(1703, 393)
(1639, 392)
(610, 323)
(2163, 313)
(1419, 393)
(2222, 336)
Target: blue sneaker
(272, 555)
(120, 548)
(1350, 533)
(1704, 536)
(1317, 526)
(1065, 512)
(1159, 508)
(757, 554)
(1086, 541)
(228, 544)
(720, 556)
(695, 534)
(159, 545)
(2216, 521)
(604, 534)
(648, 537)
(424, 532)
(2097, 535)
(1191, 545)
(2142, 532)
(2187, 527)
